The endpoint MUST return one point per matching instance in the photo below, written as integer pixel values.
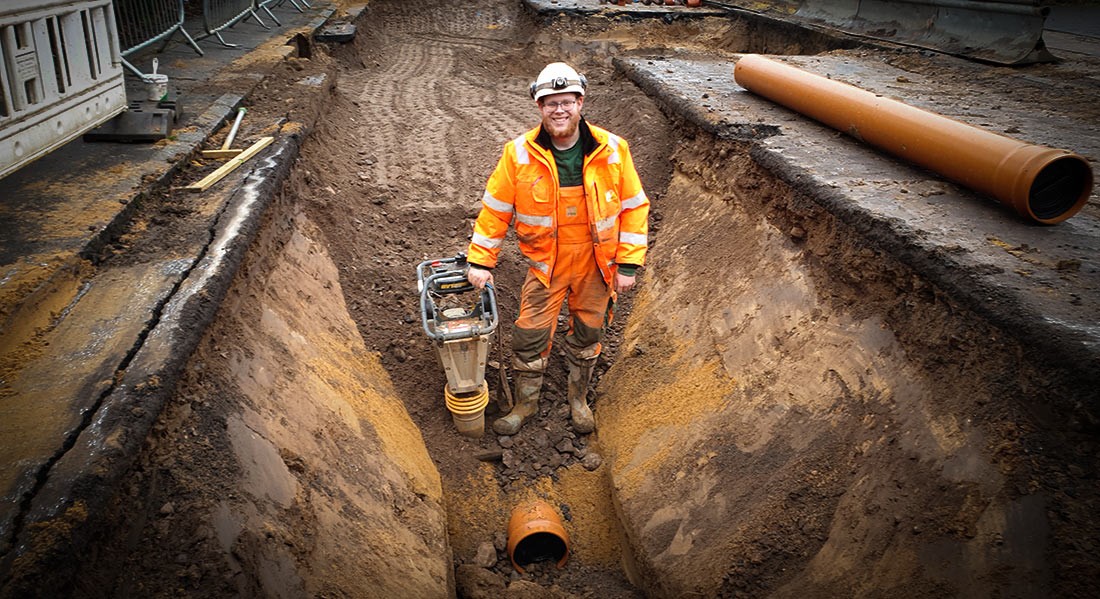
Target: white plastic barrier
(60, 75)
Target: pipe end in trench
(535, 533)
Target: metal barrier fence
(145, 22)
(264, 4)
(218, 15)
(60, 75)
(61, 62)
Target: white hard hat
(558, 78)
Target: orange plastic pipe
(531, 519)
(1041, 183)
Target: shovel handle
(233, 132)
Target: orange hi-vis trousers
(577, 279)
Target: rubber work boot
(528, 387)
(580, 374)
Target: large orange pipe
(1041, 183)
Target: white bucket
(156, 85)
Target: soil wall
(795, 414)
(284, 466)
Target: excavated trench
(782, 409)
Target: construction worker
(581, 219)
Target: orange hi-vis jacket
(525, 185)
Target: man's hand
(623, 283)
(478, 277)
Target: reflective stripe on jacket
(525, 186)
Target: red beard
(563, 130)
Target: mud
(782, 408)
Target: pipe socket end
(1060, 189)
(535, 534)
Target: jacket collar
(589, 143)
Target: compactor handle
(488, 301)
(489, 294)
(454, 267)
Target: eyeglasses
(564, 105)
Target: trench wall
(284, 465)
(795, 414)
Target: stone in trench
(555, 460)
(508, 458)
(592, 461)
(474, 582)
(566, 446)
(486, 555)
(541, 439)
(500, 540)
(556, 433)
(505, 442)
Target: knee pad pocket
(584, 339)
(529, 344)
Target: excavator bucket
(1005, 32)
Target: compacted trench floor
(413, 133)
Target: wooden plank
(228, 167)
(220, 154)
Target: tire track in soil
(417, 96)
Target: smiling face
(561, 113)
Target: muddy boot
(528, 387)
(580, 374)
